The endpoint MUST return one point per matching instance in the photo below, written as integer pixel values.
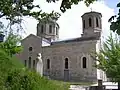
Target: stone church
(68, 60)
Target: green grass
(82, 83)
(74, 83)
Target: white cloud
(70, 22)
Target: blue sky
(112, 4)
(70, 22)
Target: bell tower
(48, 29)
(91, 24)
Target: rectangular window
(97, 24)
(48, 63)
(83, 23)
(29, 62)
(34, 65)
(90, 22)
(84, 62)
(66, 63)
(56, 32)
(42, 27)
(50, 28)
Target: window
(42, 27)
(29, 62)
(25, 62)
(56, 32)
(48, 63)
(90, 22)
(66, 63)
(50, 29)
(83, 23)
(84, 61)
(97, 24)
(34, 64)
(30, 48)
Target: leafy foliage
(115, 22)
(109, 59)
(66, 4)
(10, 44)
(27, 80)
(14, 76)
(14, 10)
(7, 64)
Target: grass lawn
(74, 83)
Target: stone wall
(31, 41)
(74, 51)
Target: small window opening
(29, 62)
(34, 64)
(56, 31)
(83, 23)
(48, 63)
(84, 62)
(30, 48)
(97, 24)
(42, 27)
(90, 22)
(66, 63)
(50, 29)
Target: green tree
(109, 59)
(66, 4)
(10, 45)
(115, 21)
(14, 10)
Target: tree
(10, 45)
(66, 4)
(109, 59)
(115, 22)
(14, 10)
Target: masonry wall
(35, 43)
(74, 51)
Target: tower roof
(49, 21)
(92, 12)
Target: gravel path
(77, 87)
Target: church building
(67, 60)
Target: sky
(70, 22)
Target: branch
(2, 15)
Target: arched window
(84, 62)
(30, 48)
(34, 64)
(66, 63)
(90, 22)
(83, 23)
(50, 28)
(97, 24)
(56, 31)
(42, 27)
(29, 62)
(48, 63)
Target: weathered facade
(68, 60)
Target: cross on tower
(91, 9)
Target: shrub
(14, 76)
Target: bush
(14, 76)
(6, 64)
(26, 80)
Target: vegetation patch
(14, 76)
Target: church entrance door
(66, 75)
